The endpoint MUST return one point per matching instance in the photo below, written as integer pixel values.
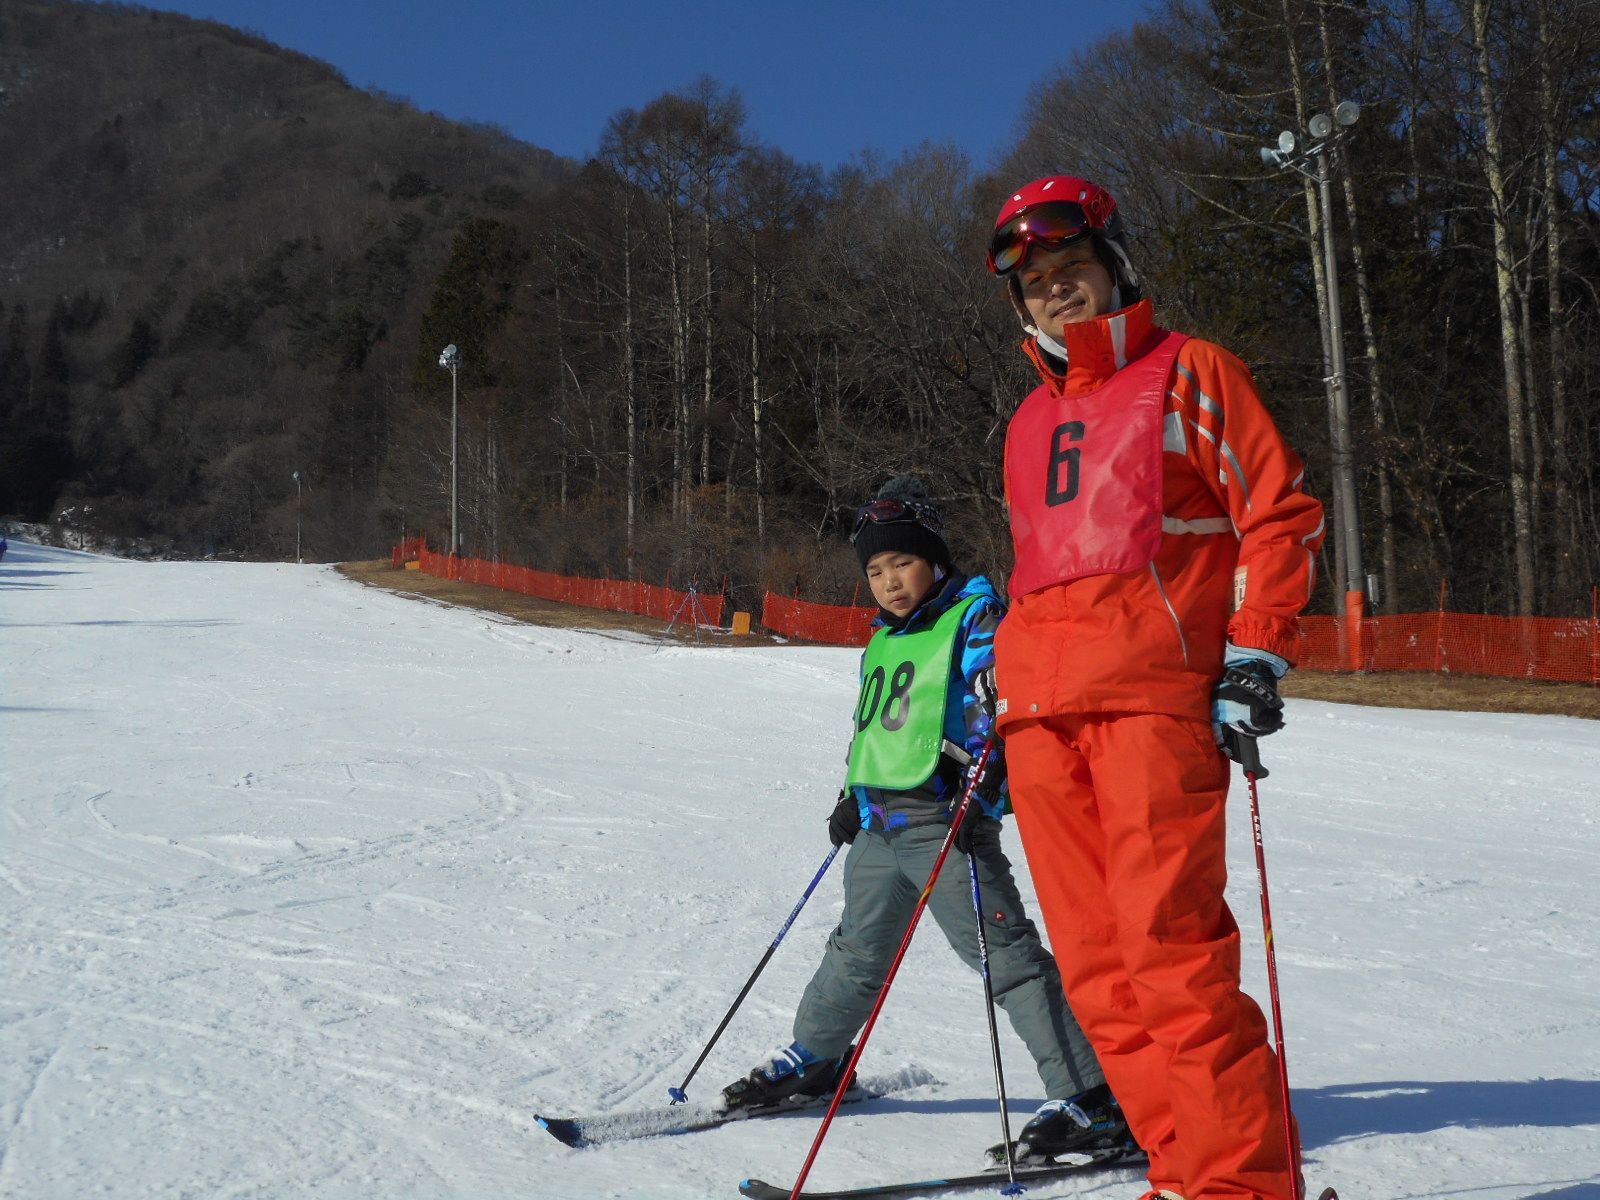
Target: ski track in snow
(312, 890)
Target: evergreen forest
(227, 276)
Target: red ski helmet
(1054, 212)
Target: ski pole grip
(1241, 747)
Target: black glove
(969, 827)
(845, 820)
(1246, 699)
(994, 775)
(985, 796)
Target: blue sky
(821, 79)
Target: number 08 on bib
(905, 680)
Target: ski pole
(1012, 1188)
(975, 774)
(1242, 749)
(679, 1094)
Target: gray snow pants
(884, 873)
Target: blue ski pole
(1012, 1188)
(679, 1094)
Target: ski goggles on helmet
(885, 512)
(1051, 226)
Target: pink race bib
(1083, 474)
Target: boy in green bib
(925, 710)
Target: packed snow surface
(313, 890)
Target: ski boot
(793, 1074)
(1088, 1124)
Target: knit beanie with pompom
(917, 530)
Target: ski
(1098, 1161)
(582, 1132)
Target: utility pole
(450, 360)
(1327, 131)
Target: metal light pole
(1327, 131)
(450, 360)
(297, 557)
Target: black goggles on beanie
(887, 512)
(1051, 226)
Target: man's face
(1063, 287)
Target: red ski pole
(974, 776)
(1242, 749)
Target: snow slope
(309, 890)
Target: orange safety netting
(833, 623)
(1557, 648)
(615, 595)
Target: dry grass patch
(1458, 693)
(379, 572)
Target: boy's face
(898, 580)
(1062, 287)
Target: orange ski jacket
(1236, 561)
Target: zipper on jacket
(1183, 642)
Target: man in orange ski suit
(1164, 544)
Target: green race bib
(905, 682)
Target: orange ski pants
(1122, 820)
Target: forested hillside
(221, 265)
(214, 257)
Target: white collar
(1051, 346)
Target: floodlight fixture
(450, 358)
(1271, 157)
(1320, 126)
(1286, 142)
(1347, 113)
